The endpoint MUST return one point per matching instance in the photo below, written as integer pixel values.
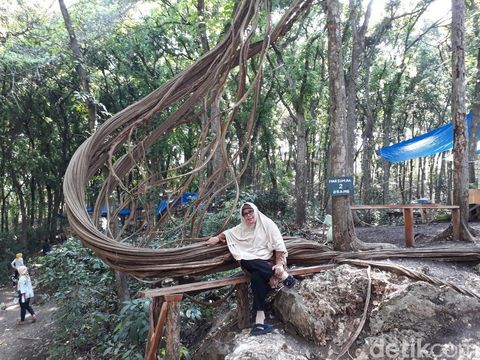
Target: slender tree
(460, 155)
(343, 228)
(475, 125)
(80, 67)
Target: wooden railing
(165, 308)
(408, 216)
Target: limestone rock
(406, 319)
(274, 346)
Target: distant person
(258, 245)
(16, 263)
(25, 293)
(46, 248)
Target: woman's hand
(214, 240)
(278, 270)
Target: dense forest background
(68, 66)
(63, 73)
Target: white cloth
(17, 262)
(255, 241)
(24, 286)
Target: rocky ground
(405, 318)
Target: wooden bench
(165, 308)
(408, 216)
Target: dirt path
(29, 341)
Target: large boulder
(406, 319)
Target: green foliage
(130, 333)
(82, 286)
(8, 249)
(273, 203)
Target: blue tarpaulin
(430, 143)
(123, 212)
(186, 198)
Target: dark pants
(24, 307)
(260, 271)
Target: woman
(25, 293)
(16, 263)
(258, 245)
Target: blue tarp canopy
(122, 212)
(186, 198)
(430, 143)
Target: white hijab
(255, 241)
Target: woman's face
(249, 216)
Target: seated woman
(259, 247)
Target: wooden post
(456, 223)
(408, 221)
(155, 337)
(242, 306)
(153, 315)
(173, 327)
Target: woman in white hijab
(258, 245)
(25, 293)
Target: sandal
(261, 329)
(289, 281)
(20, 322)
(34, 318)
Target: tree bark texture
(460, 156)
(358, 48)
(343, 229)
(173, 328)
(475, 124)
(300, 168)
(121, 285)
(367, 144)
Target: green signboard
(340, 186)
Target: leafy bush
(8, 249)
(130, 333)
(82, 286)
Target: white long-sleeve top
(24, 286)
(17, 262)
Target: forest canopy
(56, 92)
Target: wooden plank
(408, 224)
(408, 216)
(153, 316)
(157, 334)
(240, 279)
(185, 288)
(456, 224)
(242, 306)
(474, 196)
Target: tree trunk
(121, 285)
(358, 48)
(460, 155)
(23, 210)
(343, 229)
(79, 66)
(368, 143)
(475, 124)
(300, 168)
